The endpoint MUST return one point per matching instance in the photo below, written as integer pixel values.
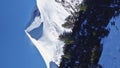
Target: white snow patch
(52, 15)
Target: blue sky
(16, 50)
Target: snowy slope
(111, 46)
(45, 29)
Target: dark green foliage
(86, 47)
(83, 8)
(67, 38)
(68, 25)
(70, 20)
(67, 56)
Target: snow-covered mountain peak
(46, 27)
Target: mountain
(46, 27)
(76, 33)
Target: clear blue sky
(16, 50)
